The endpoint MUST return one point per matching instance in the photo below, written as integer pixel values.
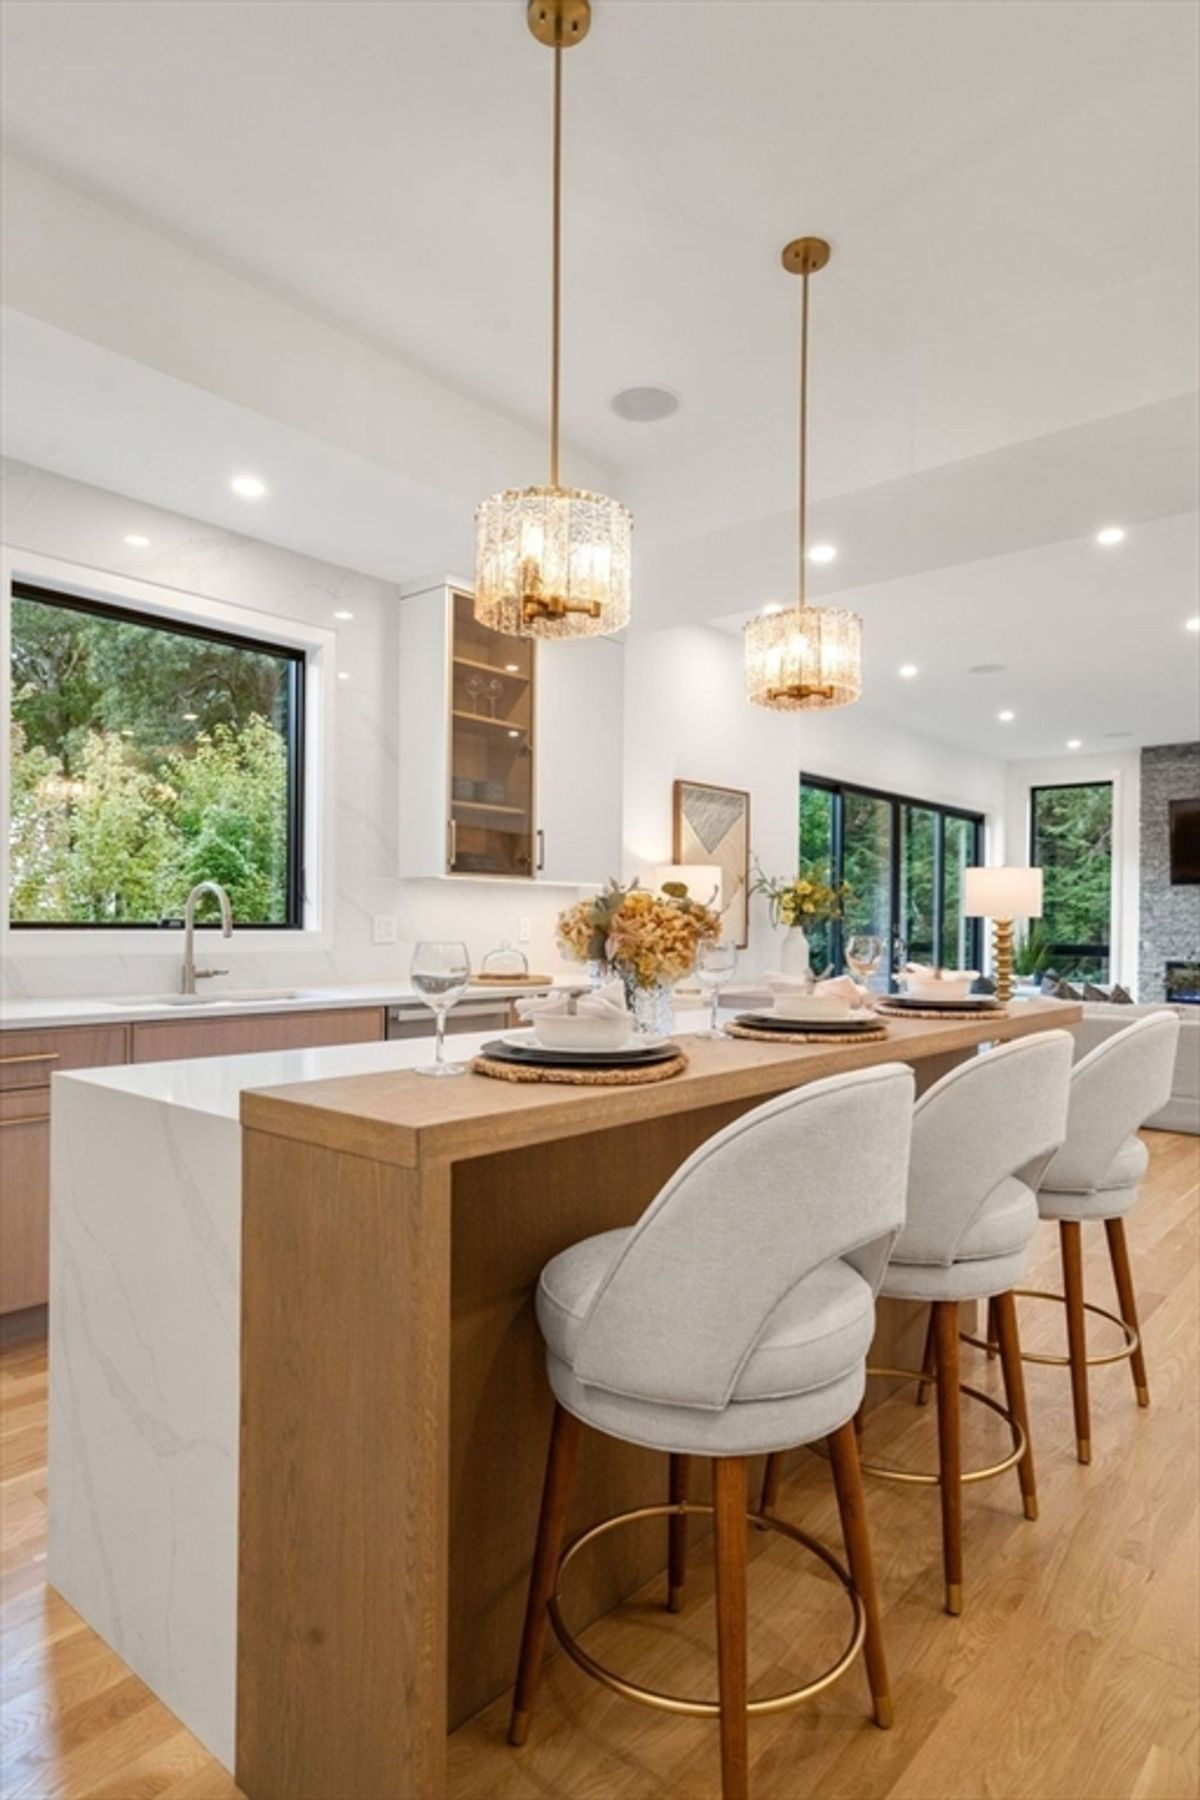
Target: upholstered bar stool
(981, 1138)
(733, 1318)
(1095, 1175)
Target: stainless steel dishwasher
(412, 1018)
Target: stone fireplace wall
(1168, 917)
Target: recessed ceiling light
(1074, 743)
(248, 487)
(137, 541)
(1192, 624)
(823, 553)
(343, 674)
(1007, 716)
(775, 607)
(342, 613)
(645, 405)
(907, 671)
(1112, 534)
(987, 668)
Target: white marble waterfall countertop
(121, 1009)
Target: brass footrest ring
(919, 1478)
(678, 1703)
(1132, 1338)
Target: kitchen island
(366, 1280)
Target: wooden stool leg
(1118, 1250)
(993, 1331)
(945, 1323)
(1072, 1259)
(928, 1364)
(729, 1504)
(1004, 1310)
(677, 1536)
(772, 1482)
(552, 1525)
(852, 1505)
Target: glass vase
(653, 1008)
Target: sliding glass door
(903, 860)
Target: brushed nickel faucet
(190, 974)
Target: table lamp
(702, 881)
(1002, 895)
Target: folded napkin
(839, 987)
(602, 1003)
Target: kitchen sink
(227, 997)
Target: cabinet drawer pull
(32, 1057)
(453, 845)
(33, 1119)
(541, 851)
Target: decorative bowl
(581, 1031)
(810, 1007)
(955, 984)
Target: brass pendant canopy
(553, 561)
(804, 658)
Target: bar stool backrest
(987, 1119)
(818, 1173)
(1115, 1088)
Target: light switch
(524, 930)
(383, 928)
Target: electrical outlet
(524, 930)
(383, 928)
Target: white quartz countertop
(120, 1009)
(215, 1084)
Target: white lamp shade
(1002, 893)
(702, 881)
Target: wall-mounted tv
(1185, 842)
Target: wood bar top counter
(394, 1403)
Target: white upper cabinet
(510, 749)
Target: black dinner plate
(628, 1058)
(834, 1027)
(973, 1001)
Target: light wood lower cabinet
(166, 1040)
(29, 1058)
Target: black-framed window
(904, 859)
(148, 754)
(1070, 840)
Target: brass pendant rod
(556, 268)
(803, 484)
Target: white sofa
(1182, 1111)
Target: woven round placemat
(937, 1012)
(577, 1077)
(807, 1037)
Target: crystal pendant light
(803, 658)
(553, 561)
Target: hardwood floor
(1072, 1674)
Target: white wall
(1123, 769)
(687, 717)
(51, 516)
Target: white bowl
(575, 1031)
(955, 984)
(811, 1008)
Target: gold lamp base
(1002, 958)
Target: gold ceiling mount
(559, 24)
(804, 256)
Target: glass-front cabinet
(492, 722)
(509, 748)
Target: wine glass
(440, 973)
(493, 689)
(864, 953)
(714, 966)
(474, 687)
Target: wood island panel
(167, 1040)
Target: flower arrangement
(800, 900)
(649, 939)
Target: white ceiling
(1004, 344)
